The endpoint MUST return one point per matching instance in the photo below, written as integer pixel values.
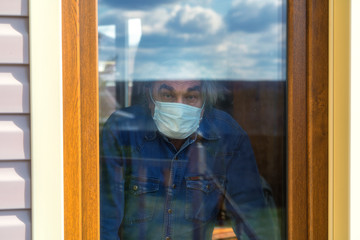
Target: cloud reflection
(251, 16)
(240, 39)
(136, 4)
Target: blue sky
(201, 39)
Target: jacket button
(208, 187)
(168, 238)
(173, 186)
(135, 187)
(169, 211)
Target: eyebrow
(167, 87)
(195, 88)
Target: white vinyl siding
(14, 89)
(15, 163)
(14, 7)
(14, 40)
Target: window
(207, 55)
(299, 39)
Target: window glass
(192, 119)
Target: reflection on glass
(192, 119)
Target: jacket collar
(207, 129)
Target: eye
(166, 96)
(192, 98)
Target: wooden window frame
(307, 122)
(80, 116)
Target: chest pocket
(202, 198)
(141, 195)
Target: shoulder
(223, 122)
(126, 119)
(221, 126)
(129, 126)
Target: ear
(152, 108)
(150, 102)
(147, 95)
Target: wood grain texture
(317, 114)
(308, 119)
(71, 120)
(297, 165)
(89, 119)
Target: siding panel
(15, 167)
(15, 185)
(14, 137)
(14, 43)
(15, 225)
(14, 89)
(14, 7)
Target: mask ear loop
(202, 108)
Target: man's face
(186, 92)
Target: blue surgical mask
(176, 120)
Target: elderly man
(168, 165)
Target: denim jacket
(150, 190)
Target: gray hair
(211, 91)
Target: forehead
(178, 85)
